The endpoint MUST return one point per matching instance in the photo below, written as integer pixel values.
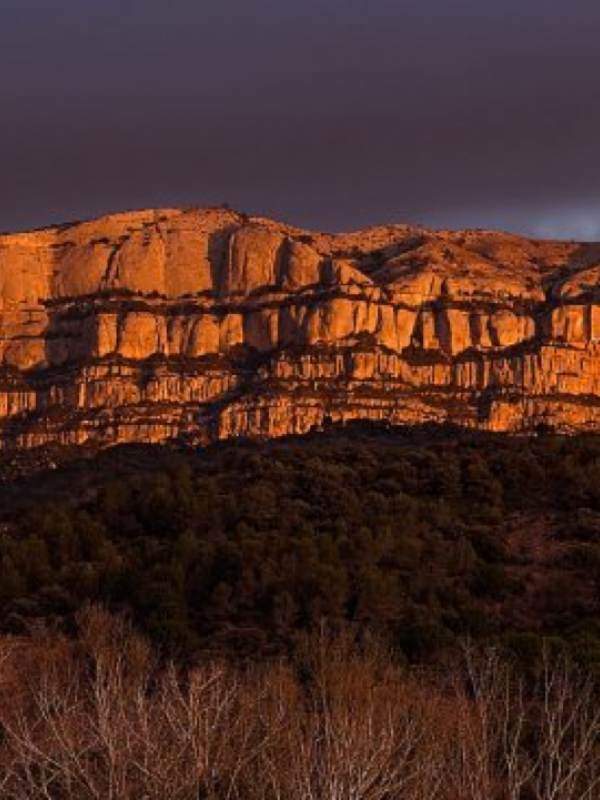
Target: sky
(327, 114)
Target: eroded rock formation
(207, 324)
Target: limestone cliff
(207, 324)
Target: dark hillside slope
(426, 534)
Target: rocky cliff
(206, 324)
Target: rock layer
(206, 324)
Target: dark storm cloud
(325, 113)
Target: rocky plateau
(198, 325)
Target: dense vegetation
(427, 536)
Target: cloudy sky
(331, 114)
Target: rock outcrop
(206, 324)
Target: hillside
(422, 535)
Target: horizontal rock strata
(207, 324)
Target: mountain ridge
(202, 324)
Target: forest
(424, 537)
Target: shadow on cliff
(218, 249)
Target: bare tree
(355, 731)
(100, 718)
(566, 763)
(486, 756)
(111, 726)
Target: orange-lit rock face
(207, 324)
